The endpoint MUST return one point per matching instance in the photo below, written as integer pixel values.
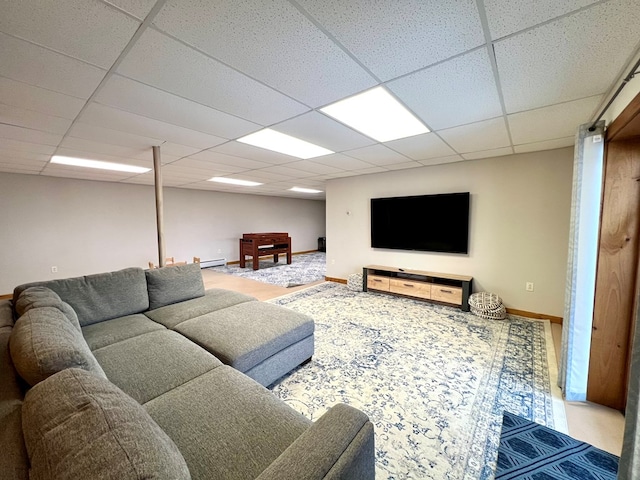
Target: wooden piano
(260, 244)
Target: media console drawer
(408, 287)
(378, 283)
(444, 293)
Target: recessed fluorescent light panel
(377, 114)
(304, 190)
(83, 162)
(282, 143)
(234, 181)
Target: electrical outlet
(529, 287)
(333, 262)
(219, 250)
(54, 269)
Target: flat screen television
(429, 223)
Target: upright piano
(261, 244)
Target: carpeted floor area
(304, 268)
(434, 380)
(529, 451)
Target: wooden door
(618, 265)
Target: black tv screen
(430, 223)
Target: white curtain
(583, 253)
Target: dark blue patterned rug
(530, 451)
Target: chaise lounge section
(190, 364)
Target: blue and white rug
(304, 268)
(434, 380)
(529, 451)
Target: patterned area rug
(529, 451)
(304, 268)
(434, 380)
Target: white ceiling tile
(20, 155)
(367, 171)
(29, 135)
(221, 158)
(137, 8)
(28, 118)
(441, 160)
(287, 171)
(546, 145)
(455, 92)
(569, 58)
(246, 34)
(377, 155)
(141, 143)
(244, 150)
(211, 168)
(486, 135)
(317, 128)
(19, 168)
(135, 97)
(561, 120)
(28, 63)
(421, 147)
(23, 95)
(26, 147)
(394, 38)
(107, 117)
(58, 25)
(167, 64)
(496, 152)
(313, 167)
(508, 16)
(403, 166)
(343, 162)
(263, 176)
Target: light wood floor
(588, 422)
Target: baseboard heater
(216, 262)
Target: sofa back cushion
(77, 425)
(44, 342)
(102, 296)
(36, 297)
(169, 285)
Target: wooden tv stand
(440, 287)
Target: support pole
(157, 171)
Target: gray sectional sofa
(144, 374)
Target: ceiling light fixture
(84, 162)
(282, 143)
(234, 181)
(377, 114)
(304, 190)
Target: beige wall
(86, 227)
(519, 224)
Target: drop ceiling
(107, 80)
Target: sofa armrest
(340, 445)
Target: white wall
(519, 224)
(87, 227)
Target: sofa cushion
(248, 333)
(226, 425)
(101, 296)
(105, 333)
(36, 297)
(169, 285)
(77, 425)
(6, 313)
(213, 299)
(153, 363)
(44, 342)
(14, 463)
